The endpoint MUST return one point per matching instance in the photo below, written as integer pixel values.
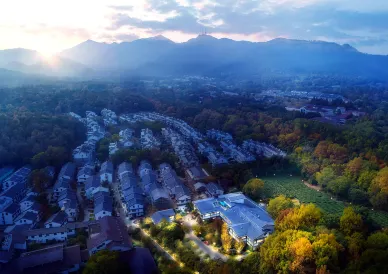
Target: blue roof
(244, 216)
(5, 172)
(158, 216)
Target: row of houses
(178, 191)
(237, 153)
(85, 153)
(158, 196)
(182, 148)
(64, 193)
(148, 140)
(107, 233)
(132, 196)
(109, 117)
(18, 203)
(263, 149)
(186, 130)
(214, 157)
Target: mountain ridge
(209, 56)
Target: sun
(49, 57)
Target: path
(119, 208)
(81, 202)
(317, 188)
(209, 250)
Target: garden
(293, 187)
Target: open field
(293, 187)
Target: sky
(50, 26)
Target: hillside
(206, 55)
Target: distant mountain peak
(159, 38)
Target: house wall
(59, 236)
(103, 213)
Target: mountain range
(204, 55)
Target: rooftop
(241, 214)
(158, 216)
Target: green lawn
(294, 188)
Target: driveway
(209, 250)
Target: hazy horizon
(51, 27)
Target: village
(96, 201)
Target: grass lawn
(294, 188)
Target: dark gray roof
(158, 216)
(213, 188)
(86, 171)
(42, 256)
(68, 194)
(99, 194)
(59, 217)
(28, 215)
(20, 175)
(12, 208)
(125, 167)
(113, 229)
(67, 171)
(103, 203)
(13, 191)
(159, 193)
(93, 181)
(197, 172)
(107, 167)
(62, 183)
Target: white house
(106, 172)
(8, 211)
(48, 234)
(103, 205)
(84, 173)
(91, 184)
(27, 217)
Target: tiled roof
(107, 167)
(93, 181)
(244, 216)
(158, 216)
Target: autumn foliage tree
(279, 204)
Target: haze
(52, 26)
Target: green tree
(326, 251)
(378, 190)
(326, 176)
(254, 188)
(278, 204)
(105, 262)
(350, 221)
(305, 216)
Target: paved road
(212, 252)
(119, 207)
(209, 250)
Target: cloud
(59, 25)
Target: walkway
(209, 250)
